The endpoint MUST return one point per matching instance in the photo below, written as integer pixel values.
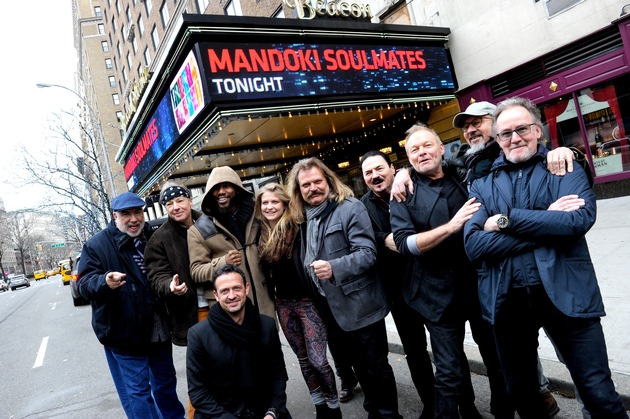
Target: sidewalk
(609, 244)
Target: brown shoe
(550, 403)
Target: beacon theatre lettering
(311, 8)
(285, 70)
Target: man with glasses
(529, 238)
(474, 161)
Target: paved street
(51, 364)
(68, 377)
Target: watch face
(502, 221)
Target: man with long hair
(338, 252)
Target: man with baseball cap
(474, 161)
(125, 316)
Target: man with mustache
(378, 174)
(338, 255)
(535, 269)
(227, 233)
(126, 318)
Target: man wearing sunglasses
(528, 238)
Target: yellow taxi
(41, 274)
(65, 269)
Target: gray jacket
(355, 294)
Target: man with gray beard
(125, 316)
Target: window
(149, 6)
(124, 74)
(129, 60)
(105, 46)
(164, 15)
(147, 56)
(119, 48)
(202, 5)
(128, 13)
(155, 37)
(108, 63)
(118, 7)
(134, 44)
(555, 7)
(101, 29)
(140, 26)
(233, 8)
(122, 30)
(112, 81)
(97, 11)
(119, 116)
(114, 24)
(116, 99)
(603, 137)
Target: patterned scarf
(283, 247)
(313, 220)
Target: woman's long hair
(275, 242)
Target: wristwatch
(503, 221)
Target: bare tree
(5, 240)
(72, 171)
(24, 240)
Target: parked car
(77, 299)
(3, 286)
(19, 281)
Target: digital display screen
(278, 70)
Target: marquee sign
(267, 71)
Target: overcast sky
(37, 47)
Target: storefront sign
(137, 89)
(158, 136)
(257, 71)
(309, 9)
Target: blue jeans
(146, 385)
(580, 341)
(453, 386)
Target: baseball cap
(474, 109)
(127, 200)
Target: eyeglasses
(507, 134)
(475, 123)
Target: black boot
(346, 392)
(334, 413)
(321, 411)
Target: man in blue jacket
(536, 271)
(125, 318)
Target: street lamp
(98, 126)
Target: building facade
(567, 56)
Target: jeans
(146, 385)
(580, 341)
(453, 386)
(410, 327)
(368, 350)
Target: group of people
(494, 236)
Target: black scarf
(246, 336)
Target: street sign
(56, 245)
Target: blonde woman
(299, 317)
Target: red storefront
(583, 91)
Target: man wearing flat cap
(125, 315)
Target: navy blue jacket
(122, 319)
(556, 238)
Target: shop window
(592, 120)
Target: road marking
(39, 361)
